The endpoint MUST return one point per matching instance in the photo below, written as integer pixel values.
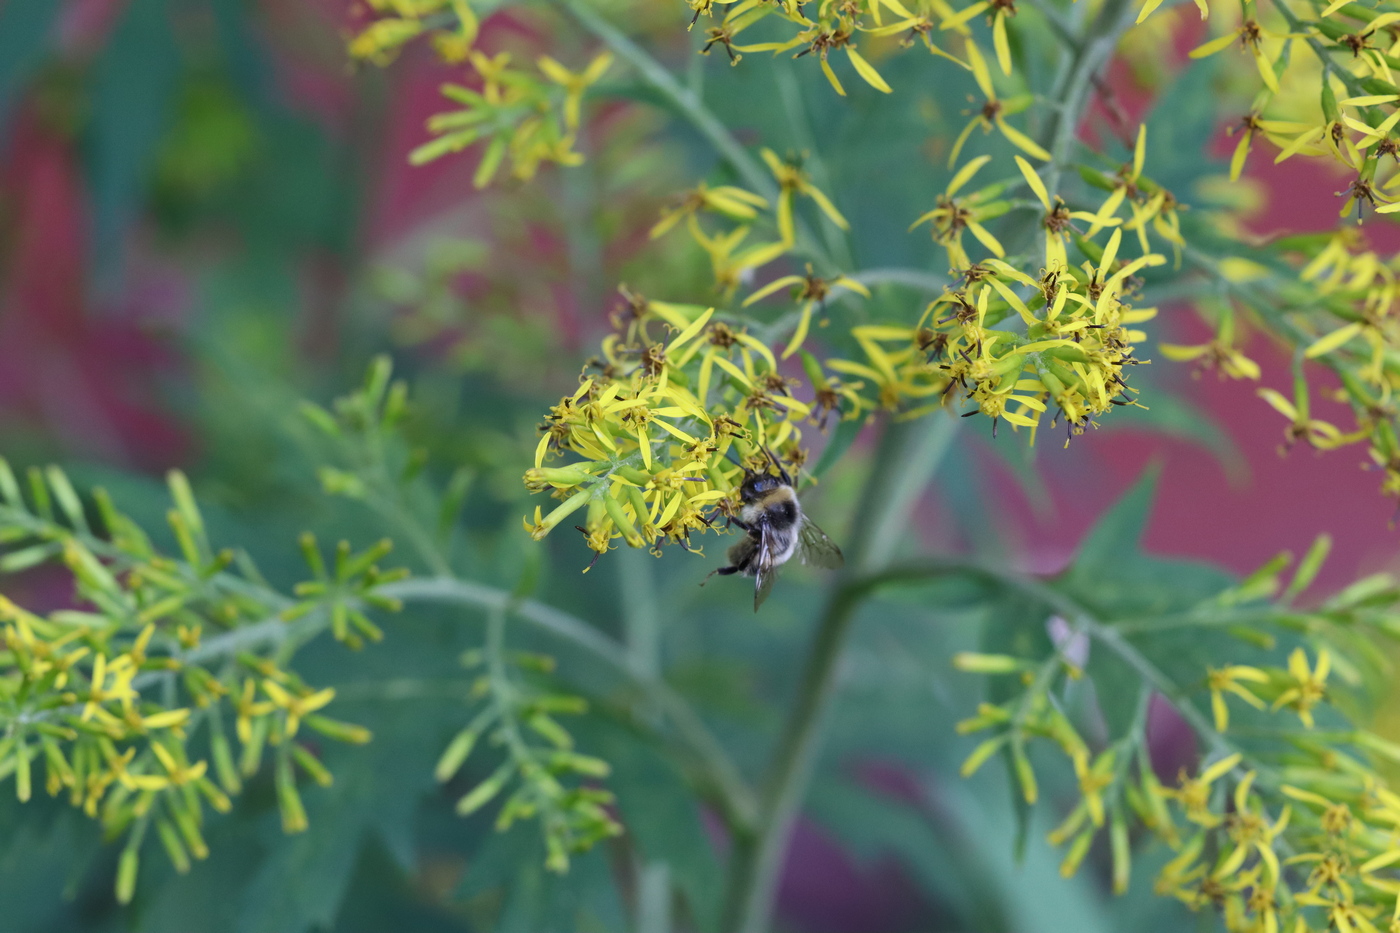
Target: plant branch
(1091, 55)
(1079, 618)
(721, 776)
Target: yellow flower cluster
(108, 697)
(731, 261)
(1336, 101)
(1293, 835)
(531, 116)
(452, 25)
(837, 27)
(654, 419)
(1339, 313)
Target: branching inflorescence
(166, 685)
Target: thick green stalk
(905, 460)
(641, 615)
(641, 622)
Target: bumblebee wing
(765, 572)
(816, 548)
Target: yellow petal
(800, 334)
(1213, 46)
(1034, 181)
(1022, 141)
(964, 174)
(979, 70)
(1151, 5)
(831, 76)
(866, 70)
(1000, 42)
(772, 287)
(1332, 341)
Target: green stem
(908, 454)
(687, 104)
(914, 278)
(1094, 52)
(641, 616)
(641, 621)
(719, 777)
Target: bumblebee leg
(722, 571)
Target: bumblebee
(775, 530)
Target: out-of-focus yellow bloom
(728, 200)
(1308, 685)
(531, 118)
(812, 293)
(792, 180)
(953, 215)
(1301, 427)
(1227, 680)
(1193, 793)
(1220, 354)
(994, 112)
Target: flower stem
(907, 456)
(678, 96)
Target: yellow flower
(813, 293)
(730, 266)
(1093, 779)
(574, 84)
(952, 215)
(247, 710)
(1251, 37)
(296, 706)
(823, 37)
(1002, 10)
(1226, 679)
(121, 672)
(1219, 354)
(1250, 830)
(1301, 427)
(1193, 793)
(793, 180)
(734, 203)
(994, 112)
(1057, 218)
(1309, 685)
(178, 772)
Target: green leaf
(1118, 533)
(1172, 416)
